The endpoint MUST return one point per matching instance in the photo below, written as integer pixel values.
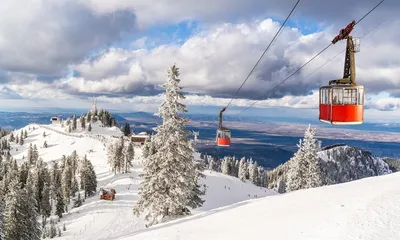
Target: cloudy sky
(62, 53)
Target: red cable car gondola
(342, 102)
(223, 134)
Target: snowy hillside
(100, 219)
(339, 164)
(366, 209)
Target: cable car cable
(369, 12)
(305, 63)
(263, 53)
(343, 50)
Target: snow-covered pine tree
(129, 156)
(304, 171)
(74, 187)
(66, 183)
(53, 229)
(242, 169)
(74, 122)
(45, 207)
(12, 137)
(74, 164)
(44, 133)
(13, 214)
(195, 199)
(23, 173)
(88, 178)
(90, 127)
(83, 122)
(211, 165)
(25, 134)
(225, 166)
(20, 216)
(296, 174)
(311, 147)
(32, 227)
(253, 172)
(111, 153)
(35, 154)
(170, 173)
(88, 117)
(45, 144)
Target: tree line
(34, 191)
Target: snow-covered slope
(339, 163)
(100, 219)
(366, 209)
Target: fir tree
(90, 127)
(88, 117)
(242, 169)
(12, 138)
(304, 170)
(74, 122)
(66, 183)
(225, 166)
(45, 201)
(88, 178)
(126, 129)
(83, 122)
(25, 134)
(13, 214)
(170, 174)
(253, 172)
(311, 147)
(129, 156)
(45, 144)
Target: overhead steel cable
(343, 50)
(270, 44)
(305, 63)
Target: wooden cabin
(55, 120)
(140, 139)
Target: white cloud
(44, 36)
(213, 62)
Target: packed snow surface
(101, 219)
(366, 209)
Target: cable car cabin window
(321, 96)
(350, 96)
(360, 96)
(327, 95)
(222, 134)
(324, 95)
(337, 96)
